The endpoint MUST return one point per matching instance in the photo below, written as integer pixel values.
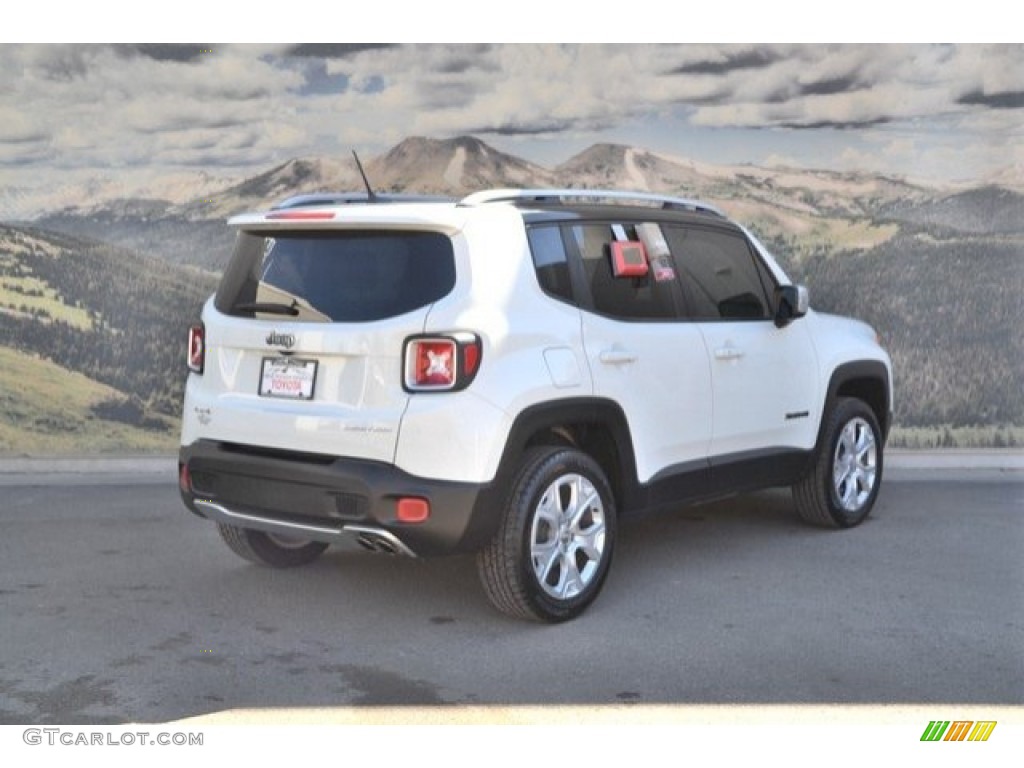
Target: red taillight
(441, 363)
(196, 348)
(432, 363)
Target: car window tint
(337, 276)
(550, 262)
(622, 297)
(719, 274)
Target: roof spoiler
(352, 198)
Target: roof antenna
(371, 196)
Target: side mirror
(791, 302)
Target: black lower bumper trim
(322, 496)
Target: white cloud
(776, 160)
(100, 107)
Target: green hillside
(205, 243)
(949, 311)
(48, 410)
(109, 314)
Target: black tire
(551, 567)
(269, 549)
(851, 443)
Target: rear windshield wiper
(269, 307)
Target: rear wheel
(841, 488)
(270, 549)
(550, 558)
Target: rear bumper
(325, 498)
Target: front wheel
(270, 548)
(549, 559)
(841, 488)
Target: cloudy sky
(939, 112)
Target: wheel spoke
(859, 483)
(865, 440)
(550, 503)
(591, 540)
(545, 555)
(584, 496)
(571, 582)
(841, 472)
(868, 474)
(848, 493)
(589, 501)
(549, 519)
(849, 439)
(568, 511)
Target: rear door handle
(616, 356)
(728, 352)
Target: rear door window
(340, 277)
(648, 297)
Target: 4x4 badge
(285, 340)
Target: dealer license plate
(288, 377)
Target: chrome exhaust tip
(374, 542)
(379, 540)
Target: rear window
(340, 277)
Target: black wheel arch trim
(870, 372)
(545, 417)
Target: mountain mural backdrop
(95, 298)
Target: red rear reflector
(196, 348)
(413, 510)
(300, 215)
(184, 479)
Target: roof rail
(557, 196)
(348, 198)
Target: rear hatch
(304, 338)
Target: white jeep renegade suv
(510, 373)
